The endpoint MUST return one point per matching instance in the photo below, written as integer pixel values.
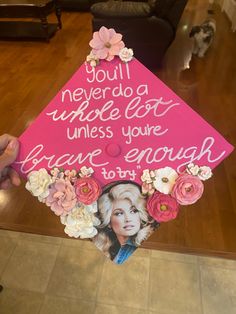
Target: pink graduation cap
(115, 148)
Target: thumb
(9, 154)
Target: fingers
(14, 177)
(9, 179)
(10, 147)
(5, 140)
(6, 184)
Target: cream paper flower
(204, 173)
(193, 169)
(126, 54)
(38, 183)
(165, 179)
(80, 223)
(92, 59)
(86, 172)
(146, 176)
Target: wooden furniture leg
(44, 23)
(58, 14)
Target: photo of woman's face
(125, 218)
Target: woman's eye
(118, 213)
(133, 210)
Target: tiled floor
(51, 275)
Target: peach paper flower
(162, 207)
(187, 189)
(106, 43)
(62, 197)
(147, 188)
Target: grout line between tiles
(100, 282)
(41, 304)
(149, 282)
(200, 284)
(175, 260)
(218, 266)
(4, 268)
(59, 249)
(122, 306)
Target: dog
(203, 36)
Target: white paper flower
(146, 176)
(92, 59)
(38, 183)
(193, 169)
(126, 54)
(92, 208)
(165, 179)
(80, 223)
(86, 172)
(204, 173)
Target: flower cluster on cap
(106, 44)
(167, 190)
(71, 195)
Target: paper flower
(70, 175)
(80, 223)
(86, 172)
(62, 197)
(87, 190)
(205, 173)
(106, 43)
(92, 208)
(38, 183)
(192, 169)
(187, 189)
(54, 172)
(162, 207)
(146, 176)
(147, 188)
(92, 59)
(165, 179)
(126, 54)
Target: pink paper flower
(162, 207)
(62, 197)
(187, 189)
(106, 43)
(87, 190)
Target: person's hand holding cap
(9, 147)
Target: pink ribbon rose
(87, 190)
(187, 189)
(162, 207)
(62, 197)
